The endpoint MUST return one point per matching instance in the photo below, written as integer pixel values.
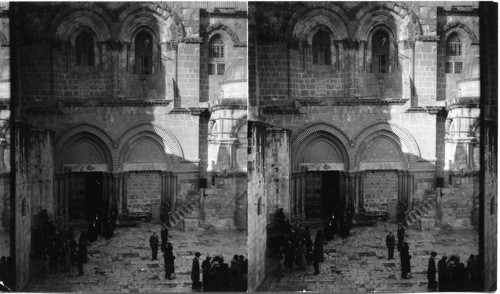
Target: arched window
(380, 52)
(217, 63)
(322, 54)
(84, 49)
(143, 54)
(454, 54)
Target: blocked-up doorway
(322, 194)
(86, 197)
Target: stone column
(117, 188)
(410, 183)
(295, 191)
(173, 191)
(123, 199)
(302, 197)
(361, 201)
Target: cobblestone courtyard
(123, 263)
(359, 263)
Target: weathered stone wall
(425, 72)
(22, 204)
(380, 190)
(143, 190)
(488, 240)
(220, 204)
(41, 173)
(278, 171)
(457, 202)
(257, 212)
(447, 82)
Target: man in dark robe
(390, 242)
(431, 273)
(205, 266)
(318, 244)
(81, 258)
(442, 279)
(328, 230)
(163, 213)
(92, 232)
(169, 262)
(405, 260)
(318, 254)
(195, 272)
(164, 238)
(153, 243)
(280, 218)
(401, 237)
(98, 225)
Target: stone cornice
(469, 12)
(197, 111)
(100, 103)
(221, 14)
(280, 110)
(228, 107)
(468, 80)
(429, 38)
(425, 109)
(191, 40)
(233, 81)
(348, 101)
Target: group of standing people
(454, 276)
(104, 227)
(341, 224)
(218, 276)
(293, 246)
(403, 248)
(167, 249)
(56, 248)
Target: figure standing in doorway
(153, 243)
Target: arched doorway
(321, 160)
(85, 160)
(385, 175)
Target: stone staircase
(423, 215)
(185, 216)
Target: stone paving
(123, 263)
(359, 263)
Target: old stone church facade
(130, 105)
(373, 106)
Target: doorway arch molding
(318, 129)
(408, 144)
(83, 132)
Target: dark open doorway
(322, 194)
(86, 196)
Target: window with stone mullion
(380, 52)
(143, 53)
(217, 62)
